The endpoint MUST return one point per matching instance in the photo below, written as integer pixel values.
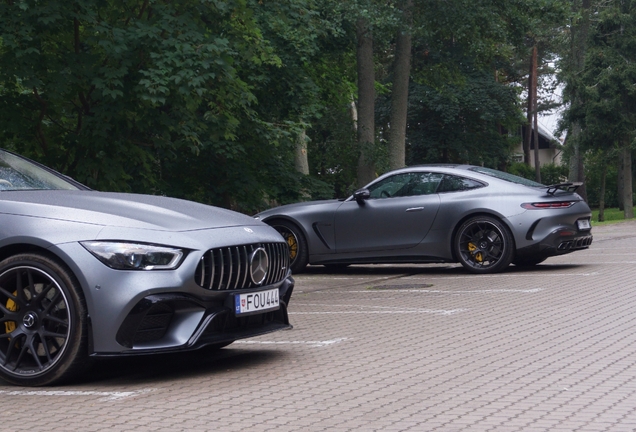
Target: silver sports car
(86, 274)
(482, 218)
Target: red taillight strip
(548, 205)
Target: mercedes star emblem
(259, 265)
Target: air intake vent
(230, 268)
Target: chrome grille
(228, 268)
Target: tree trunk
(535, 114)
(577, 169)
(531, 92)
(354, 113)
(537, 163)
(366, 102)
(628, 197)
(300, 155)
(400, 94)
(601, 201)
(620, 181)
(578, 49)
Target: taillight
(548, 205)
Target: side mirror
(361, 195)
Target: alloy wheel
(35, 319)
(483, 245)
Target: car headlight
(135, 256)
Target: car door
(398, 214)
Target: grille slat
(244, 256)
(228, 268)
(222, 268)
(211, 264)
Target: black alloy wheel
(483, 244)
(298, 252)
(42, 321)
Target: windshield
(17, 173)
(506, 176)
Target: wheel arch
(23, 247)
(299, 256)
(18, 248)
(497, 216)
(273, 219)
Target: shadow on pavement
(161, 367)
(427, 269)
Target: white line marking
(602, 248)
(528, 291)
(310, 343)
(393, 291)
(387, 309)
(506, 275)
(105, 396)
(415, 311)
(619, 254)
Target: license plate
(583, 224)
(255, 302)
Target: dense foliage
(208, 99)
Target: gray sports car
(483, 218)
(87, 274)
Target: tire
(298, 252)
(43, 322)
(527, 262)
(483, 245)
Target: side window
(390, 186)
(452, 183)
(407, 184)
(424, 183)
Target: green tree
(602, 96)
(203, 99)
(104, 90)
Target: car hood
(120, 210)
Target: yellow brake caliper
(9, 326)
(293, 247)
(479, 257)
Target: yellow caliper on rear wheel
(293, 247)
(9, 326)
(479, 257)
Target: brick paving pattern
(392, 348)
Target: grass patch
(612, 215)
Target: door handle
(414, 209)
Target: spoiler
(568, 186)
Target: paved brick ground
(421, 348)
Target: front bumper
(139, 312)
(171, 322)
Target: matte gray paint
(381, 230)
(58, 220)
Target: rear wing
(569, 186)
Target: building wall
(546, 156)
